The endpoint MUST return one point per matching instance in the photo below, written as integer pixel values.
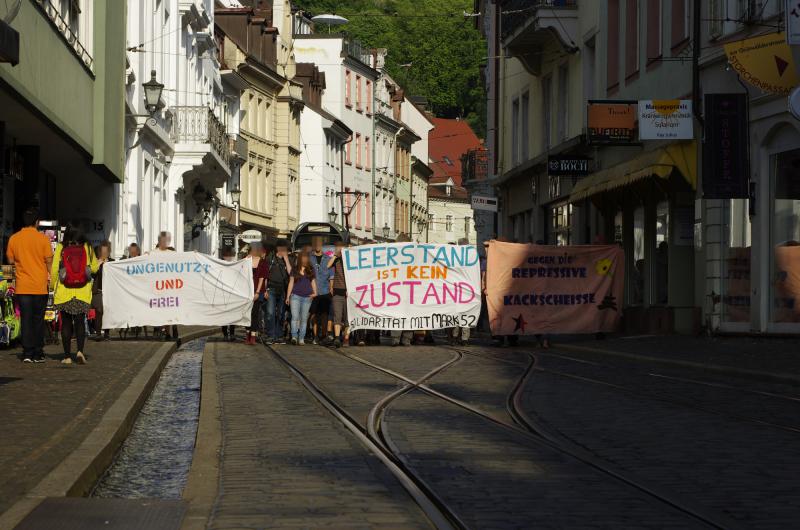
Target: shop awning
(659, 163)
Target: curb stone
(79, 471)
(202, 485)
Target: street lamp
(152, 93)
(236, 196)
(386, 231)
(332, 215)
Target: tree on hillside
(443, 47)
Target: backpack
(74, 271)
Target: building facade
(349, 96)
(62, 129)
(739, 280)
(450, 216)
(178, 157)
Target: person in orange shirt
(31, 254)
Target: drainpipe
(372, 156)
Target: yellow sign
(765, 62)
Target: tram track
(440, 515)
(527, 428)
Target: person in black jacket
(103, 253)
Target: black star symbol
(520, 323)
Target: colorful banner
(533, 289)
(187, 288)
(412, 286)
(666, 119)
(765, 62)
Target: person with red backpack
(74, 262)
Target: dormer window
(447, 190)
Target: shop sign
(726, 167)
(611, 122)
(765, 62)
(792, 11)
(488, 204)
(665, 119)
(228, 240)
(567, 166)
(251, 236)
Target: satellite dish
(331, 20)
(794, 103)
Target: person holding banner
(277, 282)
(338, 286)
(302, 290)
(260, 275)
(163, 245)
(74, 263)
(320, 308)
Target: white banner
(412, 286)
(187, 288)
(488, 204)
(667, 119)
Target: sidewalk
(49, 409)
(767, 359)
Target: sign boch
(567, 166)
(488, 204)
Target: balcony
(66, 29)
(202, 142)
(528, 26)
(198, 125)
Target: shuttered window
(612, 59)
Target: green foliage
(445, 51)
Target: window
(785, 234)
(358, 93)
(638, 273)
(588, 64)
(515, 131)
(662, 253)
(680, 24)
(348, 153)
(368, 96)
(547, 84)
(612, 59)
(367, 154)
(368, 202)
(348, 88)
(563, 94)
(358, 150)
(523, 125)
(448, 190)
(631, 38)
(653, 31)
(560, 226)
(716, 16)
(449, 224)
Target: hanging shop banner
(666, 119)
(765, 62)
(726, 166)
(611, 122)
(533, 289)
(187, 288)
(412, 286)
(567, 166)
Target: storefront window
(662, 252)
(785, 237)
(618, 227)
(560, 225)
(736, 263)
(637, 295)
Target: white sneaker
(27, 360)
(66, 360)
(301, 342)
(81, 358)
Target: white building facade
(350, 82)
(178, 160)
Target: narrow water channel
(154, 460)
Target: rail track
(374, 436)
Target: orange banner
(534, 289)
(787, 283)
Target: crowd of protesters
(298, 297)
